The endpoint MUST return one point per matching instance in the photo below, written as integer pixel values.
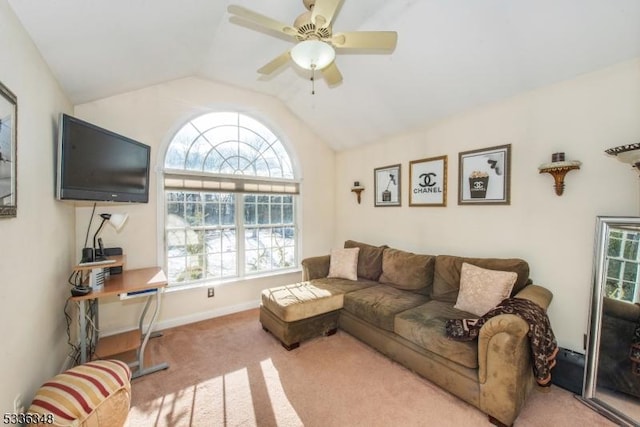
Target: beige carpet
(229, 372)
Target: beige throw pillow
(343, 263)
(482, 289)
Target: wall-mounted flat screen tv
(96, 164)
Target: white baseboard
(195, 317)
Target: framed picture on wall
(428, 182)
(484, 176)
(387, 185)
(8, 117)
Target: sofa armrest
(538, 294)
(622, 310)
(505, 370)
(315, 267)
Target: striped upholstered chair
(96, 394)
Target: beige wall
(151, 116)
(581, 117)
(36, 247)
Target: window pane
(193, 213)
(627, 291)
(614, 268)
(612, 288)
(176, 269)
(229, 264)
(630, 271)
(250, 216)
(176, 243)
(631, 249)
(287, 214)
(212, 214)
(228, 210)
(251, 238)
(615, 245)
(213, 241)
(263, 213)
(276, 214)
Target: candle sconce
(357, 188)
(558, 168)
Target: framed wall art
(8, 117)
(428, 182)
(484, 176)
(387, 185)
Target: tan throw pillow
(482, 289)
(343, 263)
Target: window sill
(230, 281)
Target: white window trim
(161, 207)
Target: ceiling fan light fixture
(313, 54)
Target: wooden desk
(150, 279)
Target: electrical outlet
(18, 406)
(210, 292)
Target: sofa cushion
(424, 326)
(482, 289)
(369, 259)
(300, 301)
(406, 270)
(446, 277)
(342, 285)
(379, 304)
(343, 263)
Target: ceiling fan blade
(331, 74)
(261, 20)
(385, 40)
(323, 12)
(276, 63)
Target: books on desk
(97, 263)
(136, 294)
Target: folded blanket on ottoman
(544, 347)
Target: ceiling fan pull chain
(313, 79)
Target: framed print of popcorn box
(484, 176)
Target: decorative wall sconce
(357, 188)
(629, 153)
(558, 168)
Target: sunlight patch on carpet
(238, 403)
(283, 411)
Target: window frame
(626, 237)
(243, 185)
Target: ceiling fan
(315, 40)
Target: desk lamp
(117, 221)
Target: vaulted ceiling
(452, 55)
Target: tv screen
(99, 165)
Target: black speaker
(111, 252)
(569, 370)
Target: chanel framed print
(428, 182)
(387, 185)
(484, 176)
(8, 117)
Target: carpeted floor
(229, 372)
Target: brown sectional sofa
(615, 370)
(399, 305)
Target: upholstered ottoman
(96, 394)
(300, 311)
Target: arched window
(230, 199)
